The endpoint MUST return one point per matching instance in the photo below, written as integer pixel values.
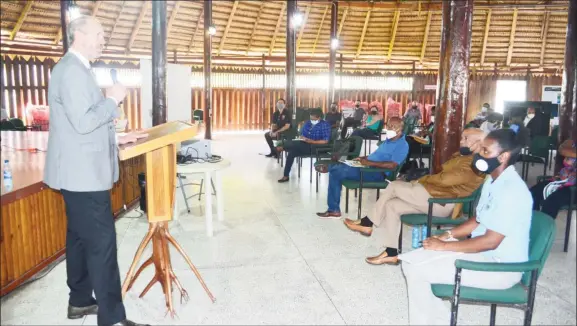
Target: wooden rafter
(172, 17)
(21, 20)
(393, 33)
(223, 38)
(426, 36)
(512, 37)
(302, 28)
(199, 21)
(94, 13)
(116, 22)
(544, 38)
(360, 46)
(136, 28)
(342, 22)
(486, 36)
(320, 28)
(257, 21)
(279, 20)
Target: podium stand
(159, 149)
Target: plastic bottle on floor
(416, 236)
(7, 174)
(423, 233)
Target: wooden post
(158, 62)
(341, 76)
(64, 6)
(414, 86)
(263, 94)
(453, 80)
(567, 109)
(333, 52)
(291, 59)
(207, 70)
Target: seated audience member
(389, 155)
(355, 121)
(561, 196)
(481, 117)
(523, 133)
(457, 179)
(314, 132)
(281, 121)
(499, 233)
(530, 115)
(493, 122)
(412, 119)
(333, 117)
(371, 126)
(533, 122)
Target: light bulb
(297, 19)
(334, 43)
(73, 13)
(212, 30)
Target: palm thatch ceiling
(507, 34)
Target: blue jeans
(340, 172)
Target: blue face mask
(514, 127)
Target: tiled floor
(273, 262)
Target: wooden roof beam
(302, 28)
(512, 37)
(426, 36)
(393, 33)
(172, 17)
(360, 46)
(255, 26)
(486, 36)
(143, 10)
(342, 22)
(199, 20)
(544, 39)
(278, 21)
(320, 28)
(21, 20)
(223, 38)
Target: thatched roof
(510, 34)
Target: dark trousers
(553, 203)
(349, 122)
(91, 260)
(269, 142)
(364, 133)
(295, 149)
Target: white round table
(208, 169)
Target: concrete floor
(272, 261)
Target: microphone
(114, 76)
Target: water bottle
(7, 174)
(424, 232)
(416, 236)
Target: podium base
(158, 233)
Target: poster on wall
(551, 94)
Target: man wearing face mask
(371, 126)
(493, 122)
(314, 132)
(499, 233)
(355, 121)
(333, 117)
(412, 118)
(456, 179)
(389, 155)
(281, 121)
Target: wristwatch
(450, 234)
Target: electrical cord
(187, 158)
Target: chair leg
(183, 193)
(365, 147)
(347, 201)
(317, 180)
(493, 314)
(356, 193)
(311, 169)
(370, 146)
(531, 298)
(455, 301)
(567, 229)
(400, 250)
(200, 191)
(299, 166)
(378, 193)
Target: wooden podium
(159, 149)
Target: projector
(196, 148)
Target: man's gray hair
(76, 25)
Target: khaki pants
(427, 309)
(400, 198)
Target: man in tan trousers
(457, 179)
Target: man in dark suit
(82, 162)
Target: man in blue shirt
(314, 132)
(499, 233)
(389, 155)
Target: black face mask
(486, 165)
(357, 105)
(465, 151)
(333, 108)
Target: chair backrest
(541, 238)
(7, 125)
(553, 138)
(17, 123)
(380, 127)
(198, 114)
(539, 146)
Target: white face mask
(484, 109)
(433, 118)
(314, 122)
(280, 106)
(531, 115)
(391, 134)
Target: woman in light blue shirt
(499, 233)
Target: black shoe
(127, 322)
(271, 155)
(283, 180)
(81, 312)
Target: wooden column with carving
(291, 94)
(453, 80)
(333, 52)
(158, 62)
(207, 70)
(568, 107)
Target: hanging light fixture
(212, 30)
(297, 19)
(335, 43)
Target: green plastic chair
(324, 158)
(18, 124)
(315, 150)
(198, 115)
(469, 204)
(378, 185)
(538, 153)
(541, 240)
(378, 136)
